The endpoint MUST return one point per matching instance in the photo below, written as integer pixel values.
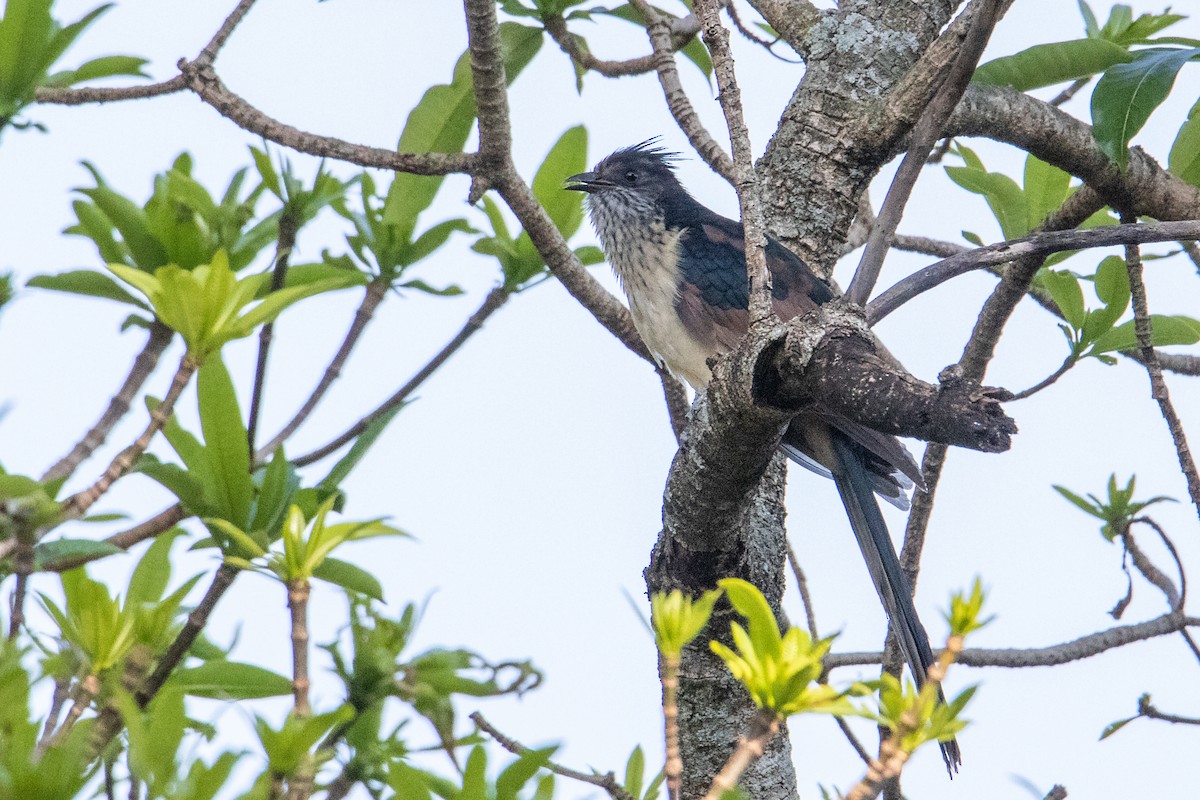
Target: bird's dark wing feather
(855, 487)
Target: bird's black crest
(649, 150)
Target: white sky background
(532, 466)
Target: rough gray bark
(714, 708)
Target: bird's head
(640, 177)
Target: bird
(682, 268)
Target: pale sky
(531, 467)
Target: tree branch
(1158, 386)
(1036, 245)
(202, 80)
(716, 37)
(1057, 138)
(924, 136)
(607, 781)
(78, 504)
(375, 292)
(491, 304)
(1019, 658)
(658, 29)
(118, 406)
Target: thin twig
(118, 406)
(673, 769)
(300, 784)
(1176, 600)
(1069, 92)
(1078, 649)
(374, 295)
(924, 135)
(1150, 711)
(298, 593)
(495, 299)
(750, 747)
(208, 87)
(1158, 386)
(762, 310)
(85, 691)
(288, 226)
(569, 43)
(78, 504)
(222, 580)
(108, 94)
(22, 565)
(1049, 380)
(1035, 245)
(209, 54)
(607, 781)
(658, 29)
(88, 94)
(677, 402)
(802, 585)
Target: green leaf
(361, 445)
(131, 222)
(104, 67)
(230, 680)
(1068, 296)
(225, 441)
(153, 572)
(589, 254)
(568, 156)
(350, 577)
(279, 481)
(1184, 159)
(1005, 198)
(1166, 330)
(1112, 287)
(1046, 187)
(1113, 727)
(1048, 64)
(60, 551)
(1127, 94)
(88, 283)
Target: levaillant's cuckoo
(683, 268)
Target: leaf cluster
(31, 43)
(1118, 510)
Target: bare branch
(209, 54)
(375, 292)
(926, 133)
(118, 406)
(492, 303)
(762, 310)
(204, 82)
(1035, 245)
(80, 96)
(1150, 711)
(1158, 386)
(286, 240)
(109, 94)
(658, 29)
(78, 504)
(1019, 658)
(607, 781)
(679, 33)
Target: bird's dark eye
(631, 177)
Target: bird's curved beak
(585, 182)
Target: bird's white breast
(645, 258)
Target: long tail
(855, 486)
